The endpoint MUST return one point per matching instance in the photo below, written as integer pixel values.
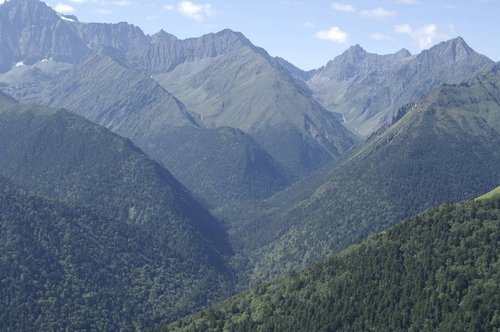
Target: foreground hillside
(142, 250)
(437, 271)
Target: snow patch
(64, 18)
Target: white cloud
(343, 7)
(308, 25)
(64, 8)
(378, 12)
(379, 37)
(169, 8)
(334, 34)
(424, 36)
(103, 11)
(403, 29)
(122, 3)
(195, 11)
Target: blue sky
(310, 33)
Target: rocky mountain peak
(455, 49)
(163, 36)
(354, 53)
(403, 53)
(28, 11)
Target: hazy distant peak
(228, 33)
(32, 10)
(403, 53)
(229, 37)
(164, 36)
(456, 49)
(355, 51)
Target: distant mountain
(31, 31)
(110, 81)
(105, 89)
(369, 88)
(240, 85)
(438, 271)
(181, 248)
(445, 148)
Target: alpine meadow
(175, 174)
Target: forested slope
(437, 271)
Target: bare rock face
(368, 89)
(219, 79)
(31, 31)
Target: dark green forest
(143, 250)
(63, 267)
(438, 271)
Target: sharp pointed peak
(455, 43)
(458, 41)
(455, 49)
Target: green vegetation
(243, 87)
(68, 268)
(492, 195)
(101, 237)
(220, 165)
(140, 249)
(438, 271)
(444, 149)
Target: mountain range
(262, 99)
(145, 177)
(442, 148)
(143, 87)
(368, 88)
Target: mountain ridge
(66, 158)
(221, 77)
(369, 88)
(399, 171)
(435, 271)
